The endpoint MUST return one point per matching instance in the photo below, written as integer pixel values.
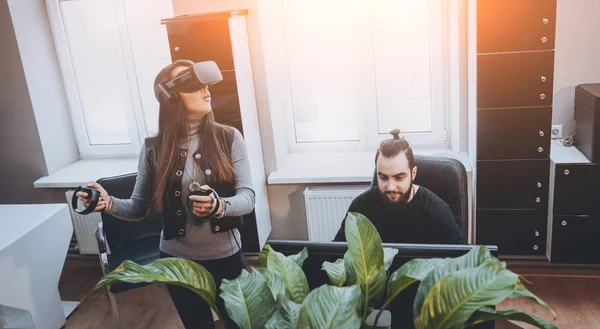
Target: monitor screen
(401, 308)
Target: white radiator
(85, 228)
(326, 207)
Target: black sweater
(425, 219)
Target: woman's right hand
(105, 201)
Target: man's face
(394, 178)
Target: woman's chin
(199, 113)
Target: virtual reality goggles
(192, 79)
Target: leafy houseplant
(453, 293)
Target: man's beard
(402, 201)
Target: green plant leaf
(264, 254)
(329, 307)
(388, 257)
(336, 272)
(286, 316)
(476, 257)
(522, 292)
(290, 274)
(248, 300)
(300, 257)
(489, 314)
(175, 271)
(454, 299)
(365, 261)
(411, 272)
(275, 284)
(351, 278)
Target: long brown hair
(173, 128)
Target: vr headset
(191, 79)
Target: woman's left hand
(203, 205)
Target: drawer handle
(567, 172)
(176, 48)
(535, 247)
(537, 233)
(545, 20)
(538, 200)
(544, 39)
(539, 184)
(543, 78)
(542, 96)
(541, 133)
(563, 223)
(540, 149)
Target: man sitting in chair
(401, 211)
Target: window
(360, 68)
(109, 52)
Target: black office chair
(447, 178)
(137, 241)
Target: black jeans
(192, 309)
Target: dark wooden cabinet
(201, 39)
(574, 218)
(515, 79)
(513, 184)
(515, 232)
(189, 39)
(575, 239)
(577, 189)
(515, 25)
(503, 137)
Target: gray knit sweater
(199, 243)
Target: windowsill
(81, 172)
(297, 168)
(339, 167)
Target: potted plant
(452, 293)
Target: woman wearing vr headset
(190, 156)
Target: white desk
(34, 240)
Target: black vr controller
(217, 225)
(93, 198)
(202, 192)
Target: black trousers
(192, 309)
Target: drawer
(190, 40)
(515, 25)
(576, 189)
(515, 80)
(517, 184)
(515, 232)
(522, 133)
(575, 240)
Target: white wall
(21, 156)
(44, 81)
(577, 55)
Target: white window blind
(360, 68)
(110, 51)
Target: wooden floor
(576, 301)
(148, 307)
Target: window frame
(369, 136)
(135, 116)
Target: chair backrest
(447, 178)
(119, 232)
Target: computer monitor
(402, 307)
